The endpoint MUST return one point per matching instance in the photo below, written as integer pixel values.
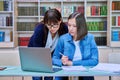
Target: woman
(77, 46)
(47, 33)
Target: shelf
(7, 24)
(115, 43)
(28, 16)
(6, 12)
(24, 32)
(6, 27)
(96, 16)
(71, 1)
(97, 31)
(27, 1)
(96, 0)
(115, 11)
(67, 7)
(115, 26)
(50, 1)
(6, 44)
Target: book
(2, 36)
(23, 41)
(118, 20)
(1, 6)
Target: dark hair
(53, 16)
(80, 24)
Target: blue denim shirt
(88, 48)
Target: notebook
(36, 59)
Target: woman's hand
(66, 61)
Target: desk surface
(16, 71)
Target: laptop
(36, 59)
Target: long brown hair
(80, 24)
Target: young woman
(77, 46)
(47, 33)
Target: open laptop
(36, 59)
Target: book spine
(118, 20)
(2, 36)
(23, 41)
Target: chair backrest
(114, 58)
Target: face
(72, 27)
(54, 27)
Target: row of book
(43, 10)
(114, 18)
(97, 26)
(27, 11)
(101, 41)
(96, 10)
(6, 36)
(115, 35)
(26, 26)
(6, 21)
(92, 26)
(116, 5)
(67, 10)
(23, 41)
(33, 11)
(118, 20)
(6, 5)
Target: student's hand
(64, 60)
(69, 63)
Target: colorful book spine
(88, 12)
(115, 35)
(116, 5)
(2, 36)
(23, 41)
(113, 20)
(26, 26)
(101, 41)
(1, 6)
(97, 26)
(118, 20)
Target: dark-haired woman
(77, 46)
(47, 33)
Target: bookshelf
(114, 23)
(30, 12)
(96, 16)
(7, 30)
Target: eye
(69, 25)
(74, 26)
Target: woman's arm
(56, 59)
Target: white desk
(16, 71)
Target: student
(77, 46)
(47, 33)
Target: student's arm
(56, 59)
(92, 59)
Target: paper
(107, 67)
(80, 68)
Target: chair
(114, 58)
